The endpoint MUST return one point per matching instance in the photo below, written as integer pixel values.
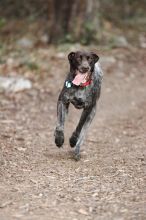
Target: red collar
(86, 83)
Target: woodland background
(70, 21)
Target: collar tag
(68, 84)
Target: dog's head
(82, 61)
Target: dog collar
(86, 83)
(69, 84)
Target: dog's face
(83, 61)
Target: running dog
(81, 88)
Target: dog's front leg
(79, 134)
(62, 109)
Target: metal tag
(68, 84)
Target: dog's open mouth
(80, 78)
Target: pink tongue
(79, 78)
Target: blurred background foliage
(105, 22)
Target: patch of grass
(32, 65)
(63, 47)
(2, 22)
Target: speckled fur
(81, 98)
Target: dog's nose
(85, 69)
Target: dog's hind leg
(80, 132)
(62, 110)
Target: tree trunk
(72, 19)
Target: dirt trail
(41, 182)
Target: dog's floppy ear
(71, 56)
(95, 57)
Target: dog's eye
(89, 58)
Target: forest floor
(38, 181)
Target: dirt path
(40, 182)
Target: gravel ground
(38, 181)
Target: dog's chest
(80, 98)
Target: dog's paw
(59, 138)
(77, 157)
(73, 139)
